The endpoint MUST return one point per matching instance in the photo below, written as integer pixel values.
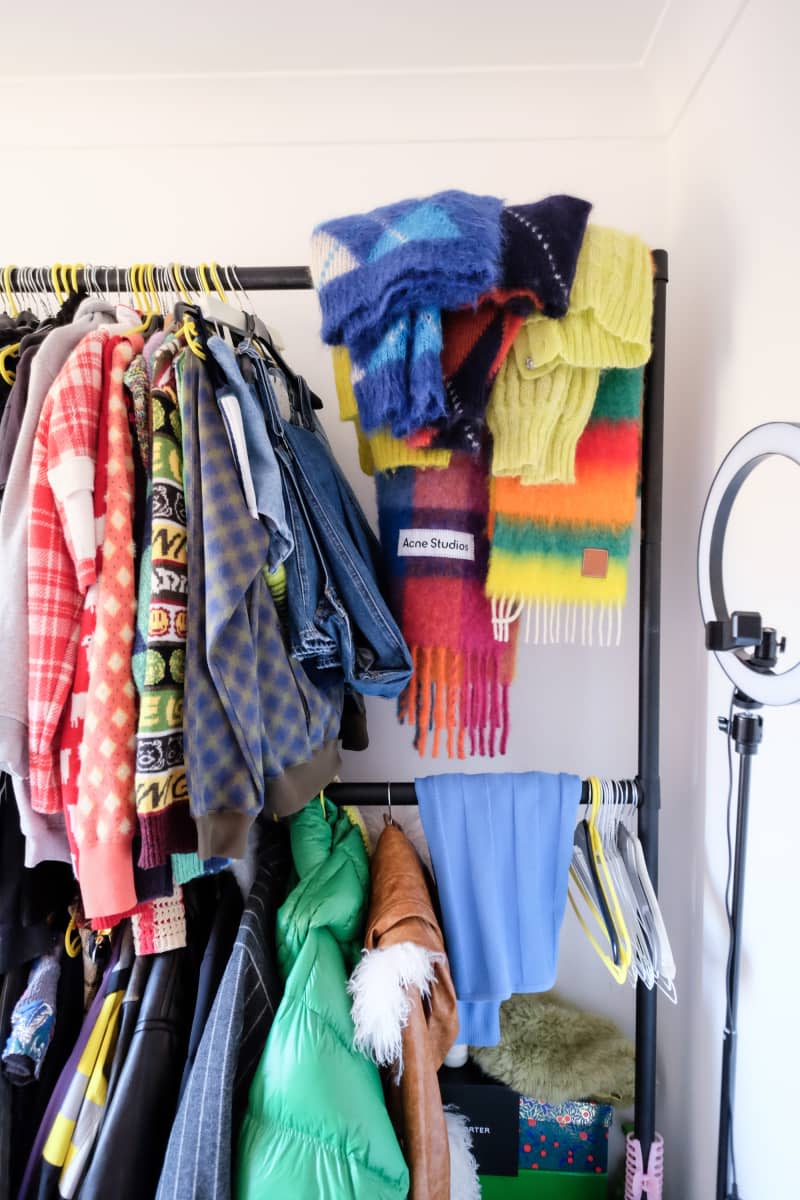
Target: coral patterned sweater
(61, 552)
(104, 822)
(74, 718)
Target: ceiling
(151, 37)
(147, 73)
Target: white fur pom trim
(464, 1181)
(380, 988)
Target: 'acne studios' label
(435, 543)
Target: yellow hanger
(188, 329)
(218, 288)
(150, 272)
(142, 300)
(13, 307)
(72, 938)
(606, 882)
(201, 275)
(136, 287)
(74, 269)
(175, 269)
(54, 279)
(5, 371)
(192, 338)
(618, 970)
(63, 275)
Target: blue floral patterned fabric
(564, 1137)
(33, 1022)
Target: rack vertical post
(650, 682)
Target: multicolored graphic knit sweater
(162, 800)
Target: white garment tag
(435, 543)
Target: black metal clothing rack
(117, 279)
(648, 777)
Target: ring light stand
(747, 651)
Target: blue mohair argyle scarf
(384, 277)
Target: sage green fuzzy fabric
(553, 1051)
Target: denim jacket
(338, 618)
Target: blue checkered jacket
(257, 733)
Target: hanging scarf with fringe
(560, 551)
(545, 389)
(541, 244)
(433, 534)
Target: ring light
(730, 636)
(776, 438)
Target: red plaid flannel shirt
(57, 579)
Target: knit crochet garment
(433, 535)
(383, 278)
(541, 243)
(160, 925)
(545, 389)
(161, 793)
(563, 549)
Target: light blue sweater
(501, 847)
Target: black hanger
(215, 373)
(301, 398)
(584, 843)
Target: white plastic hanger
(635, 861)
(642, 964)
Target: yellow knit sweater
(545, 390)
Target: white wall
(732, 328)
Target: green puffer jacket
(316, 1126)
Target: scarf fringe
(457, 699)
(555, 622)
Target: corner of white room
(732, 336)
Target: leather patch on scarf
(595, 563)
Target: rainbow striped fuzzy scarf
(433, 536)
(560, 551)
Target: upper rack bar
(117, 279)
